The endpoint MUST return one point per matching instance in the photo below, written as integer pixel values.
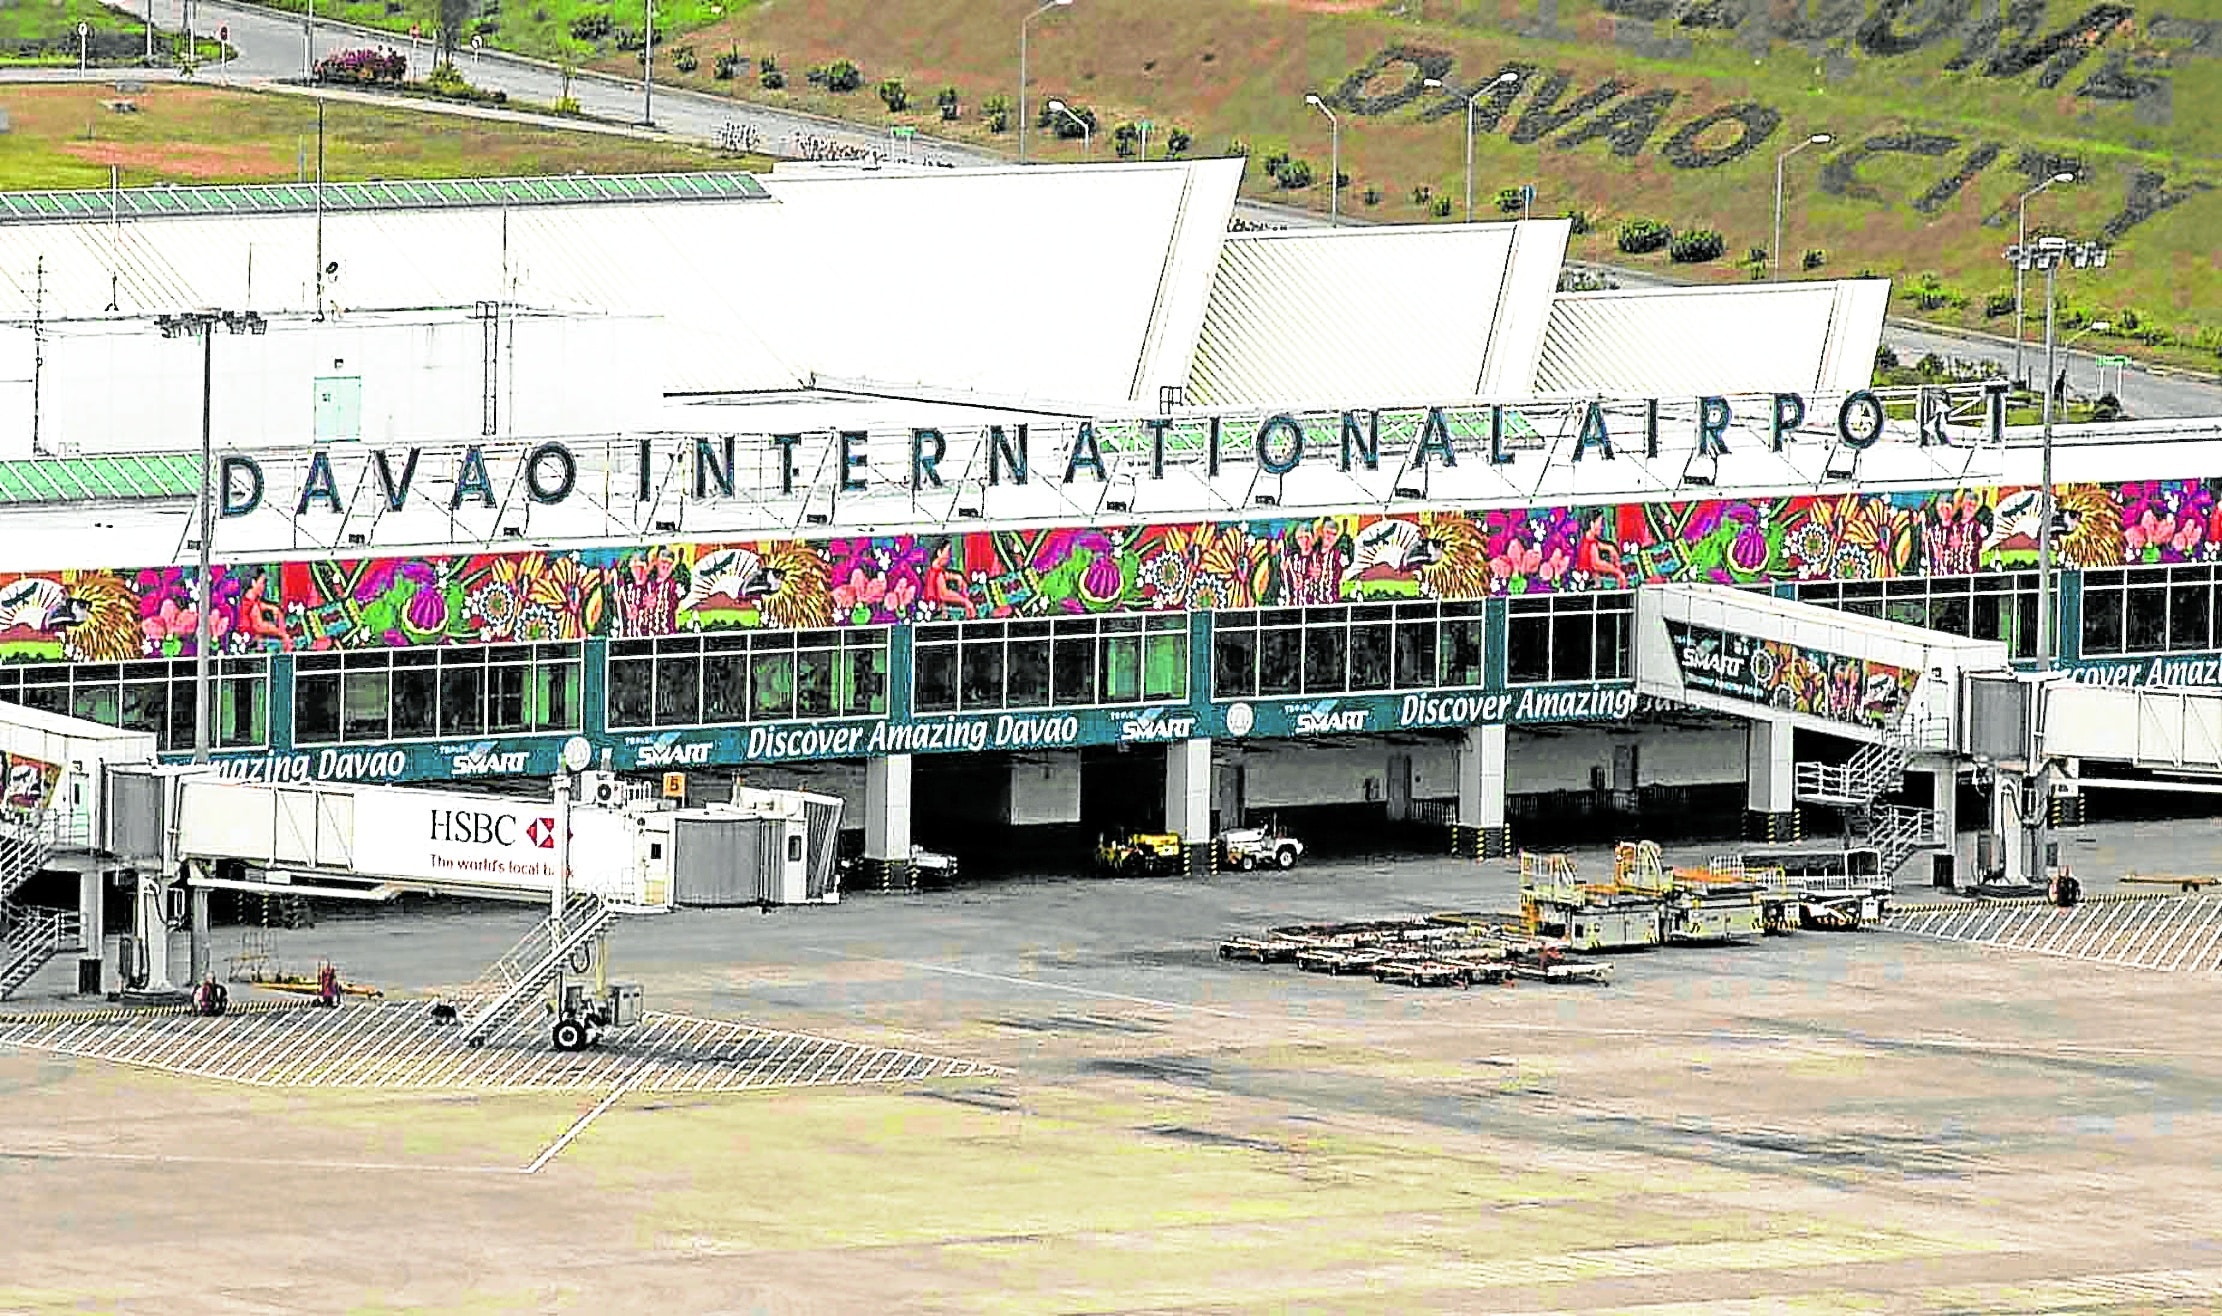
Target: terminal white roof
(1675, 342)
(1361, 314)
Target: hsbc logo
(541, 832)
(480, 827)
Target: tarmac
(1125, 1122)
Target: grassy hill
(1669, 110)
(67, 136)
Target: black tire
(1248, 863)
(570, 1035)
(1284, 858)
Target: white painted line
(555, 1149)
(164, 1158)
(1043, 983)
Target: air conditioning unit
(604, 788)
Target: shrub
(2107, 408)
(1239, 147)
(1755, 256)
(1294, 174)
(1998, 303)
(1062, 125)
(446, 80)
(894, 95)
(1886, 358)
(1508, 200)
(945, 100)
(1813, 259)
(1422, 194)
(591, 27)
(997, 111)
(771, 79)
(1578, 222)
(1641, 236)
(1696, 245)
(1441, 208)
(1372, 196)
(1274, 162)
(366, 67)
(727, 65)
(567, 105)
(1342, 179)
(684, 60)
(1930, 366)
(1123, 139)
(1178, 141)
(842, 75)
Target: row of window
(1568, 637)
(761, 677)
(1997, 606)
(156, 696)
(1344, 648)
(2149, 610)
(420, 694)
(1071, 662)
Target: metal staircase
(556, 944)
(29, 937)
(1856, 786)
(28, 838)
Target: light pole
(202, 324)
(1022, 26)
(308, 43)
(1334, 159)
(1817, 139)
(2021, 239)
(647, 63)
(1087, 135)
(1505, 79)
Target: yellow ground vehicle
(1132, 854)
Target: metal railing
(33, 936)
(1875, 770)
(28, 838)
(557, 947)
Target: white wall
(1044, 790)
(109, 388)
(1561, 759)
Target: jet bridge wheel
(570, 1035)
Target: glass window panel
(864, 683)
(1165, 665)
(981, 674)
(1527, 649)
(364, 701)
(2025, 626)
(416, 703)
(182, 703)
(1073, 664)
(632, 683)
(2191, 616)
(678, 689)
(1026, 678)
(1573, 646)
(315, 708)
(1462, 651)
(814, 682)
(97, 703)
(1951, 613)
(241, 712)
(462, 701)
(145, 707)
(1122, 668)
(2145, 619)
(505, 698)
(1280, 661)
(555, 702)
(1612, 645)
(725, 687)
(2102, 621)
(771, 686)
(1326, 658)
(935, 690)
(1234, 664)
(1907, 612)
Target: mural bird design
(93, 614)
(788, 583)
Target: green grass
(540, 28)
(44, 32)
(63, 136)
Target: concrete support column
(1480, 831)
(887, 823)
(2008, 842)
(91, 888)
(1944, 800)
(1770, 776)
(149, 926)
(202, 939)
(1399, 787)
(1188, 797)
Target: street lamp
(2021, 239)
(202, 324)
(1505, 79)
(647, 62)
(1087, 135)
(2095, 327)
(308, 43)
(1817, 139)
(1052, 4)
(1334, 159)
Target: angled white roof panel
(1815, 337)
(1373, 315)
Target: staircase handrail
(490, 1014)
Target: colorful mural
(29, 782)
(108, 616)
(1789, 677)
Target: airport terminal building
(1032, 498)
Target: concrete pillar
(1226, 787)
(887, 823)
(1399, 787)
(91, 888)
(1944, 800)
(2008, 843)
(1480, 831)
(1188, 799)
(199, 955)
(153, 932)
(1770, 777)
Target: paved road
(271, 46)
